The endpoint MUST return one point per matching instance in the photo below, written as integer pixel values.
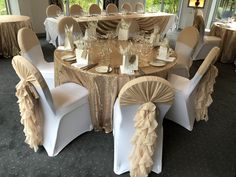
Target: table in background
(9, 26)
(104, 88)
(106, 23)
(227, 32)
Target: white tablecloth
(107, 23)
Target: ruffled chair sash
(144, 140)
(145, 91)
(203, 95)
(28, 100)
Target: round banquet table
(104, 88)
(9, 26)
(227, 32)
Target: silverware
(141, 71)
(108, 68)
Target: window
(225, 9)
(83, 3)
(170, 6)
(3, 9)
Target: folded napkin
(69, 40)
(123, 30)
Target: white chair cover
(146, 92)
(206, 43)
(126, 7)
(52, 10)
(28, 100)
(139, 7)
(193, 97)
(31, 50)
(76, 10)
(111, 8)
(94, 9)
(67, 21)
(186, 41)
(63, 113)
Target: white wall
(35, 9)
(186, 18)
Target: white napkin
(69, 40)
(155, 36)
(123, 30)
(81, 56)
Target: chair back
(76, 9)
(145, 91)
(27, 72)
(186, 42)
(30, 91)
(30, 46)
(199, 23)
(139, 7)
(67, 21)
(127, 7)
(111, 8)
(52, 10)
(94, 9)
(204, 68)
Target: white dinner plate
(103, 69)
(68, 57)
(169, 59)
(157, 63)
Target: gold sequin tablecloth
(227, 32)
(104, 88)
(9, 26)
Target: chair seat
(212, 40)
(64, 101)
(46, 67)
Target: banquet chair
(140, 107)
(127, 7)
(76, 10)
(193, 96)
(31, 49)
(94, 9)
(185, 44)
(139, 7)
(111, 9)
(206, 42)
(53, 10)
(67, 21)
(52, 118)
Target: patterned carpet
(208, 151)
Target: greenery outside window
(3, 7)
(170, 6)
(83, 3)
(225, 9)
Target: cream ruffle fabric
(146, 91)
(144, 140)
(28, 100)
(203, 95)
